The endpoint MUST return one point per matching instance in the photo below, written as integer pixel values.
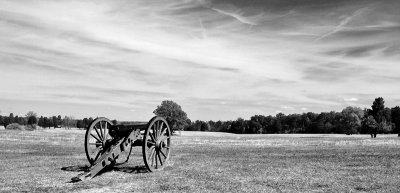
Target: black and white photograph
(199, 96)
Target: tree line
(351, 120)
(33, 120)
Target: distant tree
(51, 122)
(395, 111)
(30, 113)
(20, 120)
(194, 126)
(32, 120)
(386, 124)
(371, 125)
(255, 127)
(351, 119)
(380, 114)
(305, 122)
(68, 122)
(80, 124)
(173, 113)
(54, 121)
(6, 121)
(217, 126)
(257, 122)
(312, 123)
(31, 117)
(277, 126)
(46, 122)
(41, 121)
(204, 126)
(238, 126)
(280, 125)
(59, 121)
(11, 118)
(85, 122)
(1, 120)
(90, 120)
(187, 124)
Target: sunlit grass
(208, 162)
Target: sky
(218, 59)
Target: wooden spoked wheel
(97, 139)
(156, 144)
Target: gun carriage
(108, 144)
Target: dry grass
(208, 162)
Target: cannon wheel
(96, 138)
(156, 144)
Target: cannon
(108, 144)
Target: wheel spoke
(163, 154)
(159, 157)
(98, 134)
(163, 131)
(155, 158)
(97, 156)
(156, 129)
(95, 137)
(152, 137)
(154, 133)
(151, 143)
(105, 132)
(101, 130)
(95, 144)
(160, 128)
(151, 156)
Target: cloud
(23, 62)
(350, 99)
(287, 107)
(219, 59)
(334, 71)
(357, 51)
(237, 15)
(342, 23)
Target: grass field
(46, 160)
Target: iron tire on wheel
(156, 144)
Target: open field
(46, 160)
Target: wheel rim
(156, 144)
(96, 138)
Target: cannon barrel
(118, 131)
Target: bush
(15, 126)
(30, 127)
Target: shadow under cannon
(117, 167)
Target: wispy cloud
(350, 99)
(334, 72)
(238, 15)
(218, 59)
(343, 23)
(357, 51)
